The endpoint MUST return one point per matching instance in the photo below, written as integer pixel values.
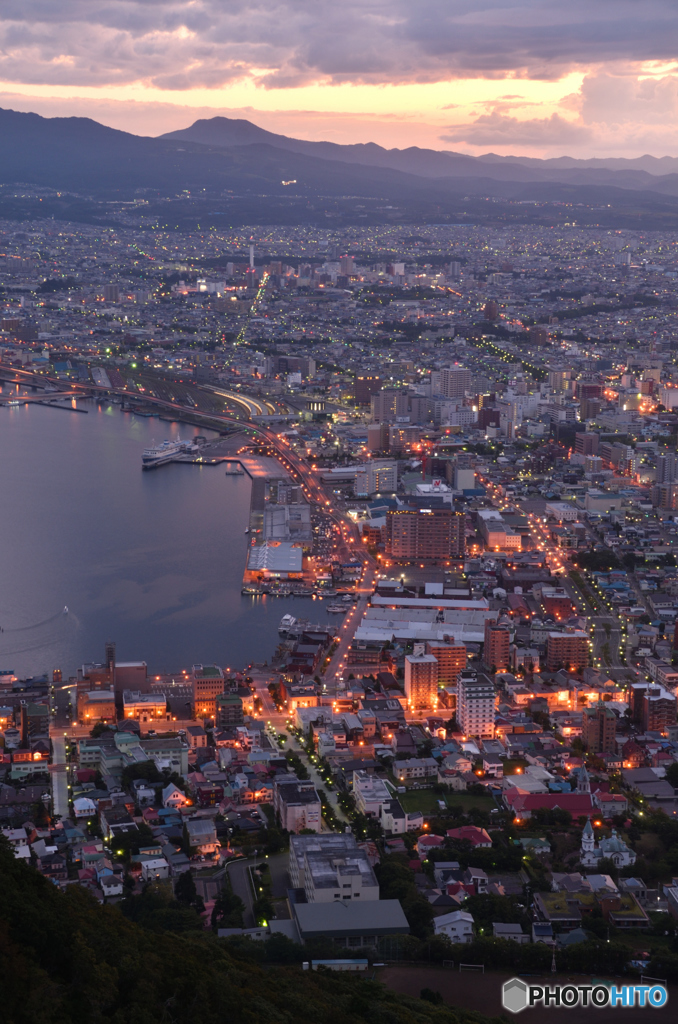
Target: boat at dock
(166, 452)
(287, 623)
(337, 609)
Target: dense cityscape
(462, 450)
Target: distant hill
(228, 132)
(239, 172)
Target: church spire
(583, 781)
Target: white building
(457, 926)
(173, 797)
(613, 848)
(342, 876)
(370, 793)
(395, 821)
(18, 840)
(154, 868)
(455, 381)
(562, 511)
(329, 843)
(475, 705)
(297, 804)
(376, 478)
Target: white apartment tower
(455, 381)
(475, 705)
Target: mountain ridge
(274, 178)
(227, 132)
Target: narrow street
(318, 781)
(59, 777)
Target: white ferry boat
(287, 623)
(165, 452)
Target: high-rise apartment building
(393, 405)
(589, 408)
(659, 709)
(586, 443)
(455, 381)
(599, 724)
(452, 659)
(667, 468)
(208, 683)
(475, 705)
(229, 710)
(376, 478)
(538, 335)
(421, 681)
(567, 650)
(497, 646)
(429, 534)
(366, 385)
(665, 496)
(588, 389)
(390, 405)
(559, 380)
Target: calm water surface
(153, 560)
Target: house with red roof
(523, 804)
(478, 837)
(426, 843)
(610, 803)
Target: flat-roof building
(143, 706)
(351, 924)
(476, 705)
(297, 804)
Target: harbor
(173, 549)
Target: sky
(538, 78)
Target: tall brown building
(589, 408)
(497, 647)
(659, 709)
(586, 443)
(421, 681)
(567, 650)
(365, 387)
(599, 724)
(427, 534)
(208, 683)
(451, 658)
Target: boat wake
(36, 625)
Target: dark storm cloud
(207, 43)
